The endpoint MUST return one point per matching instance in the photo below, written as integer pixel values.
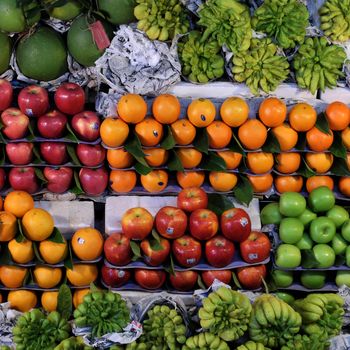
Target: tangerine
(344, 185)
(149, 131)
(319, 162)
(12, 276)
(289, 183)
(287, 163)
(87, 243)
(338, 115)
(22, 300)
(302, 117)
(18, 203)
(37, 224)
(155, 181)
(232, 159)
(114, 132)
(189, 179)
(82, 274)
(53, 252)
(166, 109)
(21, 252)
(183, 132)
(319, 141)
(47, 277)
(8, 226)
(49, 301)
(156, 157)
(234, 111)
(261, 183)
(132, 108)
(286, 137)
(78, 296)
(345, 136)
(119, 158)
(316, 181)
(259, 162)
(189, 157)
(222, 181)
(201, 112)
(252, 134)
(272, 112)
(219, 134)
(122, 181)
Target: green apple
(321, 199)
(313, 279)
(345, 230)
(342, 278)
(291, 230)
(270, 214)
(306, 243)
(286, 297)
(324, 255)
(339, 244)
(288, 256)
(347, 256)
(292, 204)
(307, 216)
(338, 214)
(322, 229)
(282, 279)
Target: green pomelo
(66, 12)
(42, 55)
(118, 11)
(81, 43)
(5, 52)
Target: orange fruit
(221, 181)
(87, 243)
(166, 108)
(53, 252)
(155, 181)
(319, 162)
(319, 181)
(114, 132)
(259, 162)
(344, 185)
(319, 141)
(1, 204)
(82, 274)
(47, 277)
(119, 158)
(21, 252)
(132, 108)
(49, 301)
(22, 300)
(156, 157)
(289, 183)
(189, 179)
(338, 115)
(232, 159)
(122, 181)
(286, 137)
(347, 160)
(345, 136)
(261, 183)
(302, 117)
(252, 134)
(37, 224)
(8, 226)
(150, 132)
(234, 111)
(1, 299)
(201, 112)
(78, 296)
(18, 203)
(219, 134)
(287, 163)
(272, 112)
(183, 132)
(189, 157)
(12, 276)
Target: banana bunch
(304, 342)
(73, 343)
(322, 314)
(260, 67)
(284, 20)
(163, 329)
(226, 313)
(273, 322)
(250, 345)
(318, 64)
(200, 61)
(161, 19)
(205, 341)
(335, 19)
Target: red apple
(171, 222)
(192, 198)
(117, 249)
(219, 251)
(58, 179)
(256, 248)
(93, 181)
(23, 179)
(184, 280)
(251, 277)
(154, 253)
(235, 224)
(2, 178)
(15, 123)
(52, 125)
(33, 100)
(223, 276)
(20, 153)
(6, 94)
(150, 279)
(187, 251)
(91, 155)
(115, 278)
(204, 224)
(137, 223)
(54, 153)
(86, 125)
(70, 98)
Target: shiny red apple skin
(70, 98)
(219, 251)
(235, 224)
(20, 153)
(204, 224)
(59, 180)
(191, 199)
(150, 279)
(23, 179)
(137, 223)
(155, 257)
(91, 155)
(171, 222)
(6, 94)
(33, 100)
(115, 278)
(86, 125)
(224, 276)
(184, 280)
(93, 181)
(256, 248)
(187, 251)
(117, 249)
(54, 153)
(15, 123)
(251, 277)
(52, 125)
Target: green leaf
(322, 124)
(243, 191)
(168, 142)
(135, 149)
(218, 203)
(305, 171)
(31, 135)
(68, 261)
(77, 189)
(5, 256)
(308, 259)
(236, 281)
(2, 156)
(271, 144)
(28, 280)
(37, 254)
(201, 142)
(235, 145)
(340, 168)
(301, 144)
(37, 155)
(73, 155)
(142, 169)
(338, 149)
(39, 174)
(340, 260)
(65, 302)
(213, 162)
(155, 245)
(200, 282)
(174, 162)
(20, 237)
(71, 135)
(155, 235)
(135, 247)
(56, 236)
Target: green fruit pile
(225, 313)
(162, 329)
(318, 64)
(73, 343)
(161, 19)
(34, 330)
(103, 311)
(335, 19)
(305, 342)
(200, 61)
(261, 67)
(205, 341)
(251, 345)
(283, 20)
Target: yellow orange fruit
(12, 276)
(189, 157)
(232, 159)
(222, 181)
(155, 181)
(189, 179)
(78, 296)
(132, 108)
(82, 274)
(156, 157)
(53, 252)
(302, 117)
(47, 277)
(286, 137)
(166, 108)
(119, 158)
(183, 132)
(252, 134)
(18, 203)
(259, 162)
(49, 301)
(87, 243)
(201, 112)
(234, 111)
(22, 300)
(21, 252)
(122, 181)
(37, 224)
(114, 132)
(219, 134)
(8, 226)
(287, 163)
(319, 162)
(150, 132)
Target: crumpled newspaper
(58, 25)
(8, 318)
(106, 103)
(192, 5)
(135, 64)
(341, 342)
(8, 75)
